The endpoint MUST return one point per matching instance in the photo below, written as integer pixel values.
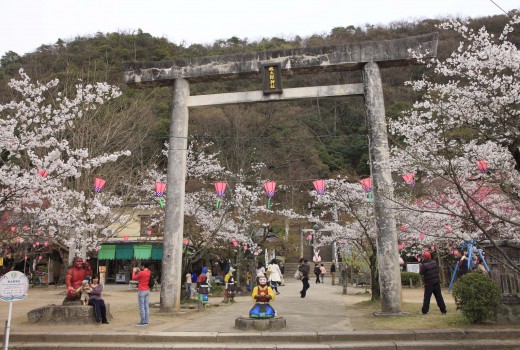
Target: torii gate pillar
(387, 249)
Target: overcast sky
(28, 24)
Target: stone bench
(69, 314)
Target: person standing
(428, 268)
(260, 269)
(143, 292)
(275, 275)
(100, 310)
(462, 260)
(304, 269)
(188, 285)
(333, 272)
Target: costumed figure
(316, 258)
(74, 280)
(230, 291)
(203, 287)
(262, 294)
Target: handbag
(298, 275)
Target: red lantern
(403, 228)
(269, 186)
(185, 242)
(401, 246)
(125, 238)
(98, 184)
(482, 166)
(159, 188)
(409, 179)
(319, 186)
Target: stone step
(367, 345)
(380, 339)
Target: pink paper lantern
(26, 228)
(45, 243)
(37, 243)
(403, 228)
(319, 186)
(26, 257)
(366, 184)
(125, 238)
(98, 184)
(43, 173)
(149, 232)
(422, 236)
(401, 246)
(409, 179)
(160, 187)
(245, 247)
(18, 239)
(39, 233)
(482, 166)
(40, 257)
(185, 242)
(309, 237)
(13, 228)
(220, 188)
(270, 187)
(235, 243)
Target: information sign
(13, 286)
(410, 267)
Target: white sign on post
(410, 267)
(13, 287)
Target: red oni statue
(74, 279)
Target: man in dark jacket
(428, 268)
(304, 269)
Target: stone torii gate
(366, 56)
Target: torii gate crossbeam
(367, 56)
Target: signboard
(272, 83)
(412, 267)
(13, 286)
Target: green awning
(142, 251)
(124, 252)
(107, 252)
(157, 252)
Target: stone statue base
(260, 324)
(65, 314)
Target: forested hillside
(299, 141)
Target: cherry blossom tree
(469, 115)
(39, 166)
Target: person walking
(143, 292)
(430, 272)
(317, 273)
(323, 271)
(304, 269)
(275, 275)
(333, 272)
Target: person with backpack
(143, 292)
(317, 272)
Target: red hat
(426, 255)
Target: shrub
(407, 276)
(477, 296)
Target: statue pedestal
(260, 324)
(65, 314)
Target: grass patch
(361, 317)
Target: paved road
(322, 309)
